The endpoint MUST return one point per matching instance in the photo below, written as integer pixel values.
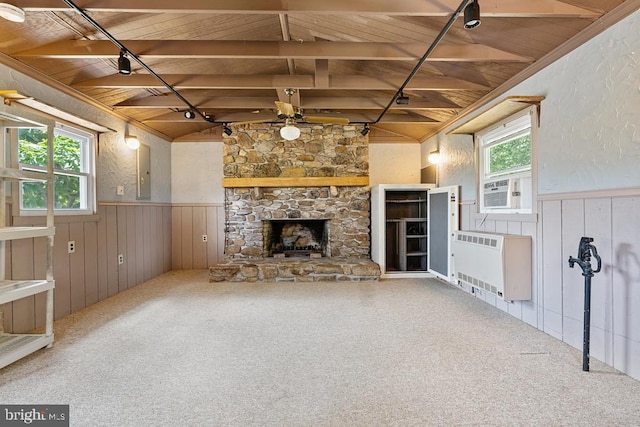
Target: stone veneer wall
(255, 151)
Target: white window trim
(531, 215)
(89, 173)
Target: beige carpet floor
(179, 351)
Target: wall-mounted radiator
(498, 263)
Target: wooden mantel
(305, 181)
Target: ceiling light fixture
(365, 130)
(132, 142)
(434, 157)
(227, 131)
(189, 114)
(124, 65)
(472, 15)
(11, 13)
(290, 131)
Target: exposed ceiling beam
(321, 77)
(200, 101)
(498, 8)
(176, 117)
(226, 81)
(286, 36)
(148, 49)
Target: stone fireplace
(296, 238)
(306, 199)
(343, 211)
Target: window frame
(498, 133)
(87, 173)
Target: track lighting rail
(399, 97)
(124, 49)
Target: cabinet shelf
(12, 233)
(399, 232)
(406, 201)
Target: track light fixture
(402, 100)
(472, 15)
(227, 131)
(365, 130)
(189, 114)
(124, 65)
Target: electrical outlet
(204, 237)
(120, 259)
(120, 190)
(71, 246)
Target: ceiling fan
(291, 115)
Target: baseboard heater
(497, 263)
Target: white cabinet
(16, 346)
(401, 229)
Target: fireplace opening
(296, 238)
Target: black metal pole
(585, 251)
(587, 323)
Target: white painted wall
(197, 176)
(456, 162)
(394, 163)
(589, 141)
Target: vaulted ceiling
(231, 59)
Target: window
(73, 170)
(505, 159)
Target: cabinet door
(442, 215)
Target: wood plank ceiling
(233, 58)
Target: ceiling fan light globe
(290, 132)
(11, 13)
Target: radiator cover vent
(497, 263)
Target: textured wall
(394, 163)
(457, 164)
(589, 135)
(116, 164)
(197, 172)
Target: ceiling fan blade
(327, 120)
(285, 108)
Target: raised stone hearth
(296, 270)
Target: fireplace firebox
(296, 238)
